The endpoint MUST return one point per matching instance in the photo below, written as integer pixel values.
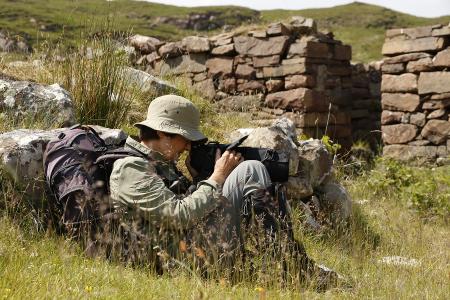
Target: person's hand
(191, 170)
(225, 163)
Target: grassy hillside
(358, 24)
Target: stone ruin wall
(416, 93)
(366, 103)
(287, 70)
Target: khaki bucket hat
(174, 114)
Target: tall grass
(93, 74)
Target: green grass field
(357, 24)
(40, 265)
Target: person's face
(174, 146)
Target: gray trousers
(223, 227)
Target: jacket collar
(135, 145)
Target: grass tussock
(94, 77)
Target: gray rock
(171, 49)
(21, 153)
(315, 162)
(49, 104)
(335, 202)
(144, 44)
(288, 127)
(393, 68)
(303, 25)
(147, 82)
(418, 119)
(195, 44)
(273, 137)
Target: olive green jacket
(136, 184)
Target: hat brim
(192, 134)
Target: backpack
(77, 166)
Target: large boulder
(21, 153)
(50, 104)
(315, 162)
(310, 163)
(311, 168)
(278, 137)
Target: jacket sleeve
(143, 190)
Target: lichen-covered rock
(27, 100)
(310, 163)
(274, 137)
(21, 153)
(195, 44)
(144, 44)
(315, 162)
(147, 82)
(335, 202)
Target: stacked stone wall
(416, 93)
(366, 103)
(287, 70)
